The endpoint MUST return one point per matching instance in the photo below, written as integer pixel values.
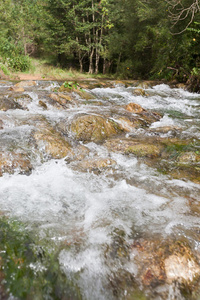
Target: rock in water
(93, 128)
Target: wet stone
(28, 83)
(6, 104)
(51, 142)
(142, 150)
(94, 164)
(93, 128)
(134, 108)
(11, 162)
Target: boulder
(93, 128)
(165, 262)
(6, 104)
(1, 124)
(134, 108)
(51, 142)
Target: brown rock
(146, 150)
(54, 97)
(93, 128)
(188, 158)
(79, 154)
(16, 89)
(22, 84)
(50, 141)
(11, 162)
(6, 104)
(42, 104)
(134, 108)
(96, 163)
(128, 125)
(160, 262)
(139, 92)
(65, 97)
(22, 100)
(181, 268)
(165, 129)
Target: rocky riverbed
(99, 190)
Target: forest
(136, 39)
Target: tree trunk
(91, 68)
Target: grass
(46, 70)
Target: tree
(180, 10)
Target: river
(106, 224)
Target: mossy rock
(145, 150)
(93, 128)
(188, 158)
(82, 93)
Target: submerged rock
(165, 262)
(51, 142)
(79, 153)
(22, 100)
(6, 104)
(93, 128)
(11, 162)
(94, 164)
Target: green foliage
(131, 38)
(71, 85)
(4, 69)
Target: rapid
(107, 224)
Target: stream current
(94, 209)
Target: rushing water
(87, 209)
